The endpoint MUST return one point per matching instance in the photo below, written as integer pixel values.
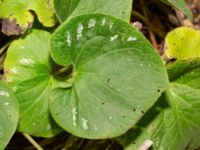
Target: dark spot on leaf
(173, 59)
(102, 103)
(12, 28)
(142, 111)
(158, 90)
(124, 116)
(108, 80)
(133, 142)
(182, 38)
(123, 12)
(134, 109)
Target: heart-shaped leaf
(117, 76)
(28, 70)
(119, 8)
(183, 43)
(8, 115)
(177, 116)
(17, 17)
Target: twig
(153, 39)
(146, 145)
(32, 141)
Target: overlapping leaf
(181, 5)
(8, 115)
(174, 122)
(119, 8)
(117, 76)
(17, 17)
(28, 70)
(183, 43)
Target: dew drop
(141, 65)
(34, 123)
(79, 31)
(91, 23)
(110, 117)
(4, 93)
(85, 123)
(103, 22)
(7, 103)
(130, 38)
(68, 39)
(112, 38)
(26, 61)
(74, 116)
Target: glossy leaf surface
(9, 114)
(28, 71)
(117, 76)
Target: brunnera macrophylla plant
(110, 79)
(106, 92)
(111, 64)
(116, 77)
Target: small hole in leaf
(173, 59)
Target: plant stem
(4, 47)
(32, 141)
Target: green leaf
(117, 76)
(183, 43)
(16, 15)
(120, 8)
(64, 8)
(181, 5)
(28, 70)
(8, 115)
(177, 123)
